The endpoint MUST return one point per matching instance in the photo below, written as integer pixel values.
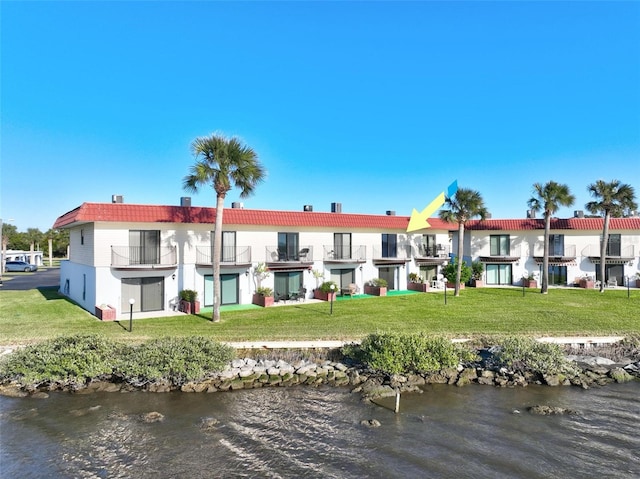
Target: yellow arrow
(419, 221)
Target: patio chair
(302, 255)
(350, 290)
(612, 282)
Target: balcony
(515, 254)
(563, 257)
(431, 255)
(624, 256)
(231, 256)
(401, 255)
(143, 257)
(344, 254)
(283, 257)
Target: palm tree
(464, 205)
(548, 198)
(611, 199)
(222, 163)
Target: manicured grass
(28, 316)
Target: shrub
(521, 353)
(477, 268)
(414, 278)
(175, 359)
(188, 295)
(264, 291)
(326, 287)
(378, 282)
(450, 270)
(77, 357)
(400, 353)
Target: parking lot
(43, 278)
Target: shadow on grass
(50, 293)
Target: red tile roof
(556, 224)
(122, 212)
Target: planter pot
(106, 313)
(530, 283)
(585, 283)
(453, 285)
(317, 294)
(189, 307)
(263, 301)
(375, 290)
(420, 287)
(477, 283)
(637, 283)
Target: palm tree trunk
(217, 248)
(460, 252)
(544, 287)
(603, 249)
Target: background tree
(222, 163)
(464, 205)
(548, 198)
(611, 199)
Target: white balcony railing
(357, 253)
(230, 255)
(275, 254)
(143, 256)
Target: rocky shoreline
(248, 373)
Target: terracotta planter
(477, 283)
(637, 283)
(453, 285)
(261, 300)
(189, 307)
(106, 313)
(420, 287)
(530, 283)
(375, 290)
(587, 284)
(317, 294)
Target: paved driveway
(22, 281)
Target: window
(499, 245)
(343, 277)
(389, 245)
(144, 247)
(228, 246)
(81, 236)
(613, 246)
(556, 245)
(558, 275)
(147, 292)
(288, 246)
(429, 247)
(498, 274)
(342, 245)
(287, 283)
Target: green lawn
(27, 316)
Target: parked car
(19, 266)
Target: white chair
(612, 282)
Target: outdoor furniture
(438, 282)
(612, 282)
(350, 290)
(302, 255)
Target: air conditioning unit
(185, 201)
(117, 199)
(336, 207)
(307, 208)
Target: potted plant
(106, 312)
(530, 281)
(477, 270)
(189, 301)
(325, 291)
(416, 283)
(263, 297)
(586, 282)
(376, 287)
(450, 270)
(637, 280)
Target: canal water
(302, 432)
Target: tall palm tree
(222, 163)
(611, 199)
(464, 205)
(548, 198)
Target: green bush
(378, 282)
(188, 295)
(401, 353)
(77, 357)
(521, 353)
(451, 269)
(264, 291)
(175, 359)
(326, 287)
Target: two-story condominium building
(150, 253)
(513, 248)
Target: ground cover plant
(36, 315)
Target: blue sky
(375, 105)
